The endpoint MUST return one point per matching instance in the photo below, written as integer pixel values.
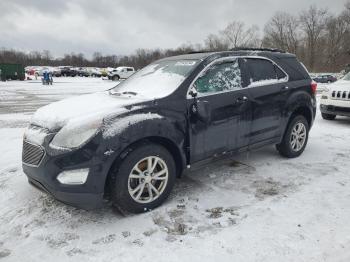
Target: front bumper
(80, 200)
(89, 195)
(335, 110)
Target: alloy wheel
(298, 137)
(148, 179)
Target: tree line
(320, 40)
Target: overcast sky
(120, 27)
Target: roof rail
(198, 52)
(257, 49)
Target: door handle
(285, 88)
(241, 100)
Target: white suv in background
(121, 72)
(335, 99)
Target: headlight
(75, 134)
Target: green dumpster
(11, 71)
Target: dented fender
(122, 132)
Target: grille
(342, 95)
(32, 154)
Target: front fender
(120, 133)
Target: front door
(220, 88)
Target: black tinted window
(262, 70)
(280, 73)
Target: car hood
(340, 85)
(92, 106)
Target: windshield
(156, 80)
(347, 77)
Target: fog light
(73, 177)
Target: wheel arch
(300, 109)
(304, 111)
(171, 146)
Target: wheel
(328, 116)
(143, 179)
(116, 78)
(295, 138)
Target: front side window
(156, 80)
(262, 71)
(220, 77)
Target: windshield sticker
(185, 63)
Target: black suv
(129, 144)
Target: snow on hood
(340, 85)
(97, 105)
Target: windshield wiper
(129, 93)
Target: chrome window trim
(223, 59)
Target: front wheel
(295, 138)
(328, 116)
(115, 78)
(144, 179)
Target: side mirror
(193, 91)
(203, 111)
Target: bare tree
(236, 35)
(335, 42)
(313, 22)
(215, 43)
(282, 32)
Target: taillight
(313, 87)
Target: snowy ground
(255, 207)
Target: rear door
(220, 87)
(268, 89)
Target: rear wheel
(295, 138)
(144, 179)
(328, 116)
(116, 78)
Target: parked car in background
(129, 144)
(56, 72)
(121, 72)
(335, 99)
(82, 71)
(104, 72)
(68, 71)
(325, 79)
(95, 72)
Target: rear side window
(262, 71)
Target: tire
(115, 78)
(328, 116)
(289, 149)
(123, 184)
